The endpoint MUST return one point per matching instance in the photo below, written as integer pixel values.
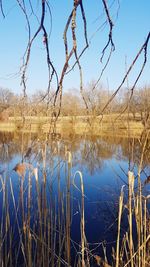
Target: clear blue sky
(130, 30)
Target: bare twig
(143, 48)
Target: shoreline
(75, 126)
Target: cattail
(20, 168)
(35, 171)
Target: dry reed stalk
(4, 222)
(119, 224)
(48, 243)
(105, 256)
(59, 212)
(123, 249)
(8, 231)
(140, 224)
(68, 212)
(11, 248)
(144, 239)
(82, 223)
(44, 156)
(36, 237)
(53, 222)
(29, 240)
(44, 216)
(126, 249)
(54, 231)
(139, 211)
(22, 198)
(18, 226)
(21, 168)
(131, 190)
(52, 241)
(35, 171)
(44, 202)
(137, 252)
(1, 222)
(54, 237)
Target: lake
(47, 216)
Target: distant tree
(71, 104)
(130, 105)
(97, 97)
(144, 100)
(138, 105)
(6, 98)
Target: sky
(131, 26)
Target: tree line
(12, 104)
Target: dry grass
(78, 125)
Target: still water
(104, 164)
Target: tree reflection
(8, 149)
(93, 152)
(89, 151)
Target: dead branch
(110, 39)
(143, 48)
(1, 8)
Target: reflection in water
(47, 204)
(89, 152)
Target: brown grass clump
(20, 168)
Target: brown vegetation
(74, 119)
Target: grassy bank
(109, 124)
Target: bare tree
(144, 101)
(71, 104)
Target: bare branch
(110, 39)
(29, 46)
(142, 49)
(1, 7)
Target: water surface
(104, 163)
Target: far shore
(69, 125)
